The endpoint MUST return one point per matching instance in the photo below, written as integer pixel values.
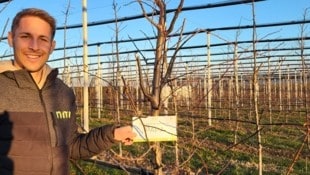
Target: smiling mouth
(33, 57)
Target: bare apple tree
(162, 66)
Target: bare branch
(175, 17)
(140, 2)
(143, 88)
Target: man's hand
(124, 134)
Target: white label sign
(155, 128)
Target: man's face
(32, 43)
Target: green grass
(210, 148)
(92, 169)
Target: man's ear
(53, 45)
(10, 39)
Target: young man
(38, 131)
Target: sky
(269, 11)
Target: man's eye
(24, 36)
(44, 39)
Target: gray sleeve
(86, 145)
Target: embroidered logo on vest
(63, 114)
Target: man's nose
(34, 44)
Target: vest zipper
(49, 127)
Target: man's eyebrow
(28, 33)
(44, 36)
(24, 33)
